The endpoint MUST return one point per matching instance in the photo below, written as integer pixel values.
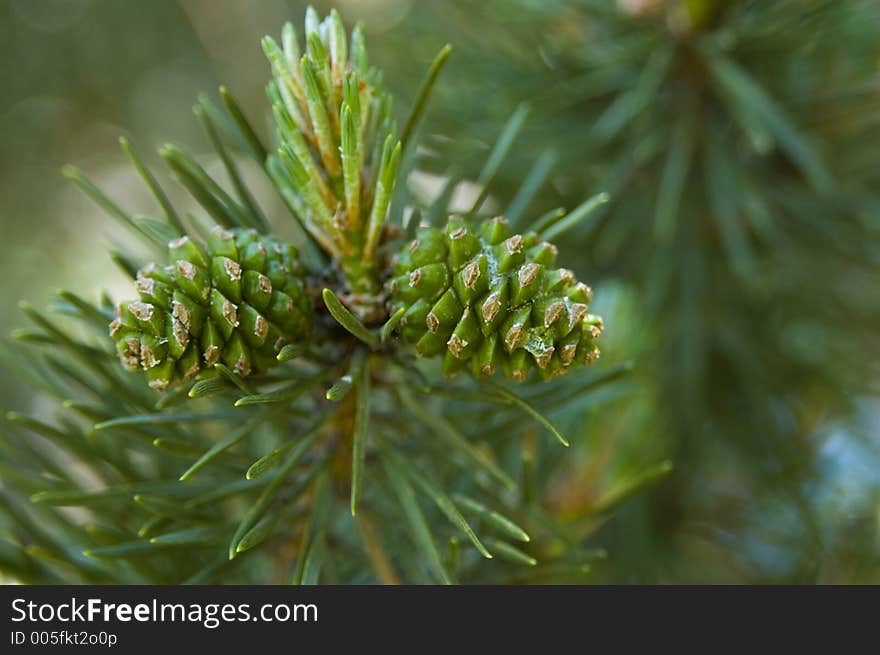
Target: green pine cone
(487, 298)
(236, 301)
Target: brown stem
(382, 566)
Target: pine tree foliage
(738, 143)
(287, 430)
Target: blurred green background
(737, 265)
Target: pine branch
(266, 383)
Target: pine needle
(348, 320)
(361, 373)
(425, 93)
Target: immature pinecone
(487, 298)
(236, 302)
